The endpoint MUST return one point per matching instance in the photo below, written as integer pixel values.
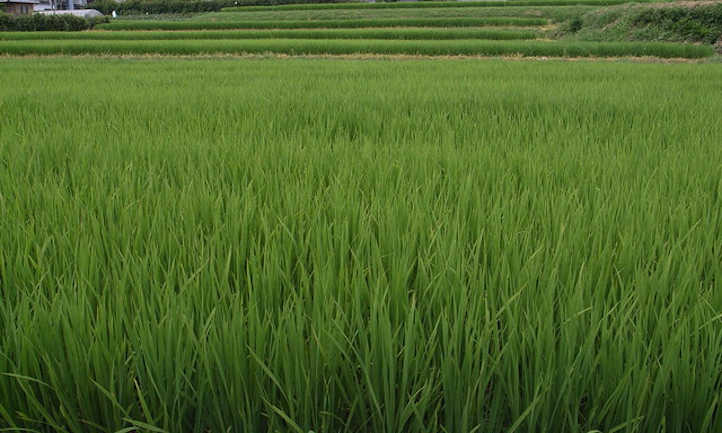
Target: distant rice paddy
(322, 24)
(357, 46)
(395, 33)
(424, 5)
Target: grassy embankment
(689, 22)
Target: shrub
(5, 20)
(698, 23)
(701, 23)
(37, 22)
(573, 25)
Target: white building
(82, 13)
(48, 5)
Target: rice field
(405, 13)
(322, 24)
(296, 245)
(355, 47)
(368, 33)
(201, 235)
(425, 4)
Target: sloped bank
(674, 22)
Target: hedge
(37, 22)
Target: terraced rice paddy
(424, 5)
(396, 33)
(324, 24)
(430, 30)
(271, 14)
(357, 46)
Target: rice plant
(358, 46)
(553, 13)
(424, 4)
(305, 245)
(397, 33)
(321, 24)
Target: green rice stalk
(401, 33)
(331, 47)
(321, 24)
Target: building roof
(85, 13)
(34, 2)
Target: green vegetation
(129, 7)
(398, 33)
(360, 246)
(688, 22)
(361, 46)
(326, 24)
(426, 4)
(320, 30)
(555, 14)
(28, 23)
